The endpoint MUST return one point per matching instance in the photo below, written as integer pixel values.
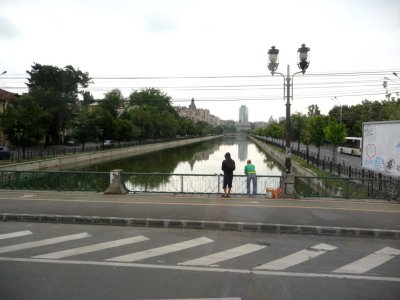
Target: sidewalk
(306, 216)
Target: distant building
(243, 124)
(243, 114)
(197, 114)
(271, 120)
(260, 124)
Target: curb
(206, 225)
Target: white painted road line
(161, 250)
(369, 262)
(202, 269)
(93, 248)
(296, 258)
(235, 298)
(44, 242)
(212, 259)
(14, 234)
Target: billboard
(381, 147)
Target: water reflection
(201, 158)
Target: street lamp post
(18, 133)
(303, 63)
(387, 78)
(101, 131)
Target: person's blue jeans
(252, 177)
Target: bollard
(116, 187)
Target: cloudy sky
(214, 51)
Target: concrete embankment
(280, 158)
(103, 156)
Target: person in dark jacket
(228, 166)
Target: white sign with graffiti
(381, 147)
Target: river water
(200, 158)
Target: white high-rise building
(243, 114)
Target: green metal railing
(338, 187)
(322, 187)
(60, 180)
(193, 183)
(134, 182)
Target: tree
(112, 102)
(125, 130)
(26, 115)
(335, 133)
(151, 97)
(56, 91)
(298, 123)
(152, 111)
(315, 126)
(313, 110)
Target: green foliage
(335, 133)
(313, 110)
(315, 125)
(56, 91)
(275, 130)
(28, 116)
(298, 121)
(112, 102)
(151, 98)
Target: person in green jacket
(250, 171)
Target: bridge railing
(193, 183)
(134, 182)
(340, 187)
(332, 187)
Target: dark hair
(227, 155)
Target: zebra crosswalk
(296, 258)
(208, 258)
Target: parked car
(72, 142)
(109, 144)
(4, 152)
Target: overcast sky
(214, 51)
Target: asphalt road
(313, 212)
(48, 261)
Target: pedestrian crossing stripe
(296, 258)
(161, 250)
(212, 259)
(369, 262)
(359, 266)
(92, 248)
(44, 242)
(14, 234)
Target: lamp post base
(289, 184)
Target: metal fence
(193, 183)
(322, 187)
(356, 188)
(326, 164)
(134, 182)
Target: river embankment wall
(103, 156)
(280, 158)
